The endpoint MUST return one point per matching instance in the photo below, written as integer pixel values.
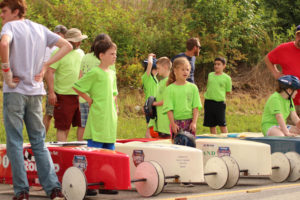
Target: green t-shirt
(276, 104)
(182, 99)
(88, 62)
(162, 122)
(150, 84)
(67, 72)
(217, 86)
(101, 86)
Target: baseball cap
(75, 35)
(60, 29)
(298, 29)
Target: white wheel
(161, 174)
(155, 179)
(281, 167)
(74, 184)
(216, 165)
(294, 159)
(233, 171)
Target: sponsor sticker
(138, 157)
(80, 162)
(223, 151)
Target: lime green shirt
(276, 104)
(88, 62)
(102, 119)
(182, 99)
(217, 86)
(150, 84)
(67, 72)
(162, 122)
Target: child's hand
(193, 127)
(150, 58)
(174, 128)
(90, 101)
(289, 134)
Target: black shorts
(214, 113)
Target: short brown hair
(164, 61)
(15, 5)
(102, 46)
(191, 43)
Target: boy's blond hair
(164, 61)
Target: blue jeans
(16, 109)
(102, 145)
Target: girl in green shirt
(182, 100)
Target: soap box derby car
(229, 159)
(80, 168)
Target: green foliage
(230, 28)
(243, 31)
(130, 75)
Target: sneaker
(22, 196)
(56, 194)
(91, 192)
(102, 191)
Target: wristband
(5, 69)
(5, 65)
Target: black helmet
(185, 138)
(289, 81)
(145, 64)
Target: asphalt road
(258, 189)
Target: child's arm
(193, 125)
(295, 118)
(85, 96)
(150, 62)
(174, 126)
(282, 125)
(158, 103)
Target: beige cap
(75, 35)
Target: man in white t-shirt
(22, 50)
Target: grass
(243, 114)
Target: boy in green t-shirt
(279, 106)
(101, 127)
(88, 62)
(162, 121)
(150, 84)
(218, 85)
